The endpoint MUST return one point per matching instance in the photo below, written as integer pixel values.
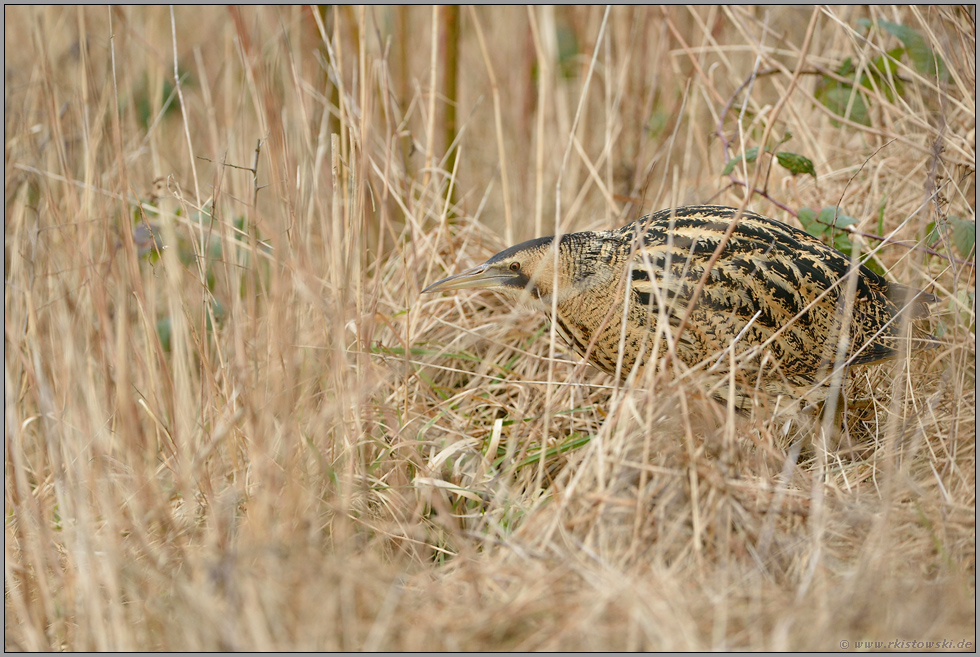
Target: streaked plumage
(776, 297)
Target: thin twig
(758, 170)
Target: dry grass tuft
(232, 422)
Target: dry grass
(261, 436)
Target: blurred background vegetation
(232, 423)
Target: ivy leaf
(873, 265)
(568, 50)
(808, 217)
(795, 164)
(964, 235)
(751, 155)
(827, 215)
(883, 75)
(923, 58)
(836, 96)
(832, 216)
(843, 244)
(164, 330)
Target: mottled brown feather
(777, 297)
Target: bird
(775, 303)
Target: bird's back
(777, 299)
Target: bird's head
(528, 270)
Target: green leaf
(873, 265)
(568, 51)
(846, 69)
(964, 235)
(574, 441)
(843, 244)
(808, 217)
(751, 155)
(836, 96)
(657, 123)
(795, 164)
(924, 59)
(827, 215)
(833, 216)
(884, 71)
(219, 312)
(906, 34)
(164, 331)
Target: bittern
(775, 303)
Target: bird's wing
(772, 285)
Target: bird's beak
(481, 276)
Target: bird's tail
(912, 303)
(915, 305)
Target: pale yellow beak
(482, 276)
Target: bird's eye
(515, 266)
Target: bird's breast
(591, 324)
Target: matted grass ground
(232, 421)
